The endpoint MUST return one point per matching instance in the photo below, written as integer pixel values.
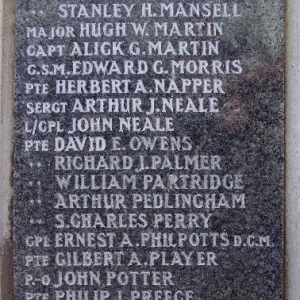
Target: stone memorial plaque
(149, 150)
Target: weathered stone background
(292, 147)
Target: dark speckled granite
(242, 238)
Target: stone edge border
(7, 29)
(292, 199)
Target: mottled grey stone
(244, 141)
